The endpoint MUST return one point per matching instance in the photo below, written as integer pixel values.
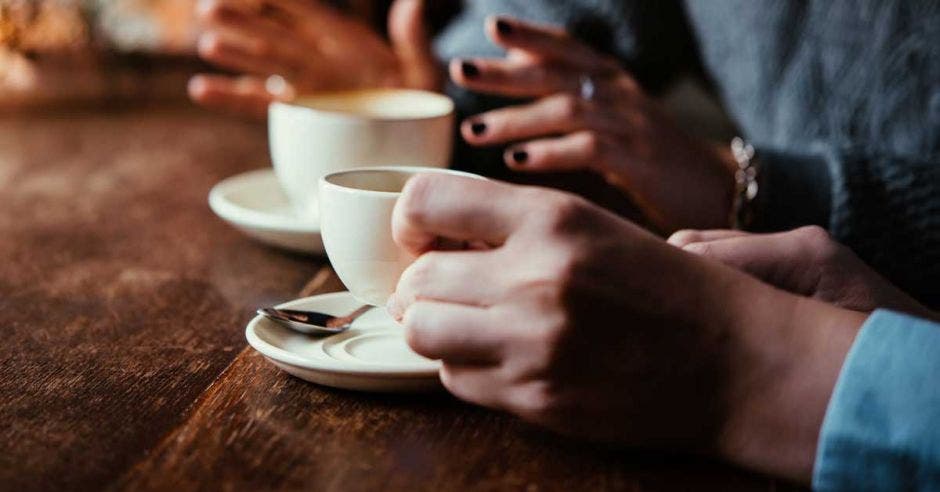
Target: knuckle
(459, 383)
(593, 143)
(546, 280)
(570, 107)
(415, 337)
(415, 198)
(553, 337)
(564, 272)
(813, 234)
(546, 341)
(565, 212)
(209, 45)
(420, 272)
(684, 237)
(537, 401)
(418, 334)
(627, 84)
(818, 242)
(701, 249)
(451, 383)
(210, 11)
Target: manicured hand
(588, 113)
(308, 45)
(575, 319)
(805, 261)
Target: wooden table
(123, 302)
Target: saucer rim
(286, 357)
(242, 216)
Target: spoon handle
(349, 318)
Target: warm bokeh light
(54, 51)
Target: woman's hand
(307, 46)
(589, 113)
(572, 318)
(805, 261)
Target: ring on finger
(587, 88)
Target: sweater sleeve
(885, 208)
(882, 427)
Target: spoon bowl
(313, 322)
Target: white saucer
(254, 203)
(371, 356)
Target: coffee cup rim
(324, 180)
(292, 106)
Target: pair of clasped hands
(715, 341)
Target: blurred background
(108, 53)
(94, 51)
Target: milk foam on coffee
(379, 103)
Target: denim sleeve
(882, 427)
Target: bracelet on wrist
(745, 183)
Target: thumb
(778, 259)
(411, 41)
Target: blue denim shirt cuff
(882, 427)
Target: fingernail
(520, 156)
(503, 27)
(469, 70)
(478, 128)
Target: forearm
(793, 349)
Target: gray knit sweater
(842, 99)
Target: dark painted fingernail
(503, 27)
(469, 70)
(520, 156)
(478, 127)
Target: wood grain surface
(123, 302)
(122, 297)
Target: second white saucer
(254, 203)
(371, 356)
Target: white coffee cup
(356, 223)
(326, 132)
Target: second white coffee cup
(356, 222)
(326, 132)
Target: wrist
(705, 173)
(728, 166)
(792, 352)
(723, 165)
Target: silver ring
(587, 88)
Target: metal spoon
(312, 322)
